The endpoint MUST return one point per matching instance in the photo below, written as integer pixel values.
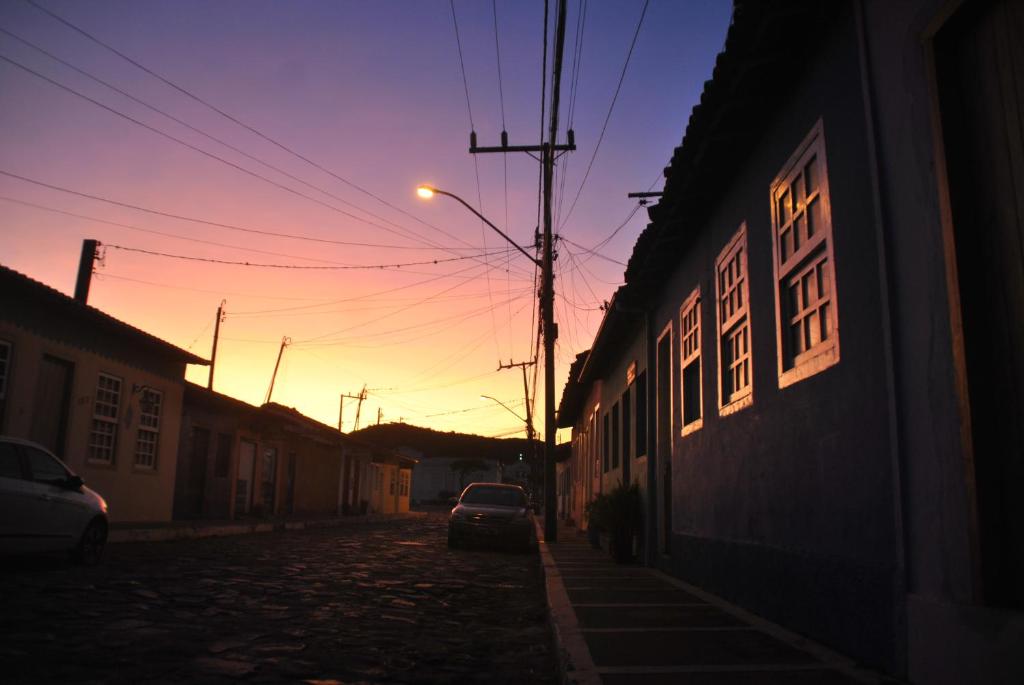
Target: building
(812, 369)
(239, 460)
(102, 395)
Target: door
(290, 485)
(243, 482)
(50, 404)
(979, 60)
(269, 479)
(195, 491)
(664, 436)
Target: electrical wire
(237, 121)
(205, 222)
(308, 267)
(608, 116)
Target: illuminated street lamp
(426, 192)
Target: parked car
(492, 513)
(45, 507)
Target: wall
(133, 494)
(788, 506)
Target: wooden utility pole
(216, 337)
(285, 342)
(548, 151)
(379, 414)
(85, 265)
(526, 398)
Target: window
(735, 372)
(44, 468)
(626, 432)
(5, 371)
(689, 347)
(641, 414)
(103, 436)
(615, 435)
(150, 404)
(805, 303)
(605, 435)
(10, 461)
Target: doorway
(50, 404)
(979, 68)
(243, 482)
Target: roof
(36, 306)
(574, 393)
(766, 38)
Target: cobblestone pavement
(381, 602)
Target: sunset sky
(372, 94)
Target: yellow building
(102, 395)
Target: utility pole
(359, 406)
(285, 342)
(216, 337)
(526, 397)
(644, 195)
(341, 405)
(85, 265)
(549, 151)
(379, 413)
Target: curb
(575, 664)
(207, 530)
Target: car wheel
(94, 539)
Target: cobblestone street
(383, 602)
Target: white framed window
(735, 386)
(691, 373)
(807, 329)
(148, 438)
(106, 406)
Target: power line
(194, 128)
(237, 121)
(156, 232)
(288, 266)
(589, 251)
(608, 116)
(218, 158)
(216, 224)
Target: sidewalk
(618, 624)
(181, 530)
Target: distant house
(813, 369)
(240, 460)
(102, 395)
(446, 460)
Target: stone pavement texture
(619, 624)
(380, 602)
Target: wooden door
(50, 404)
(979, 60)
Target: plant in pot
(622, 520)
(596, 512)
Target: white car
(45, 507)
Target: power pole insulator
(504, 138)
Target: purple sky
(373, 92)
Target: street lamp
(427, 192)
(548, 328)
(507, 408)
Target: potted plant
(596, 511)
(623, 518)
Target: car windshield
(499, 497)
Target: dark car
(492, 513)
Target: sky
(330, 114)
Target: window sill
(736, 405)
(99, 464)
(810, 365)
(692, 427)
